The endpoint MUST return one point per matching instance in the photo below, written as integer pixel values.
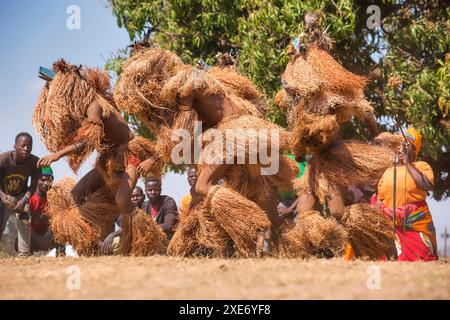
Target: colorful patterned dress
(416, 235)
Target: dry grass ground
(174, 278)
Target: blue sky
(34, 33)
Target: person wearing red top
(41, 235)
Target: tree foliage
(407, 58)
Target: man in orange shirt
(416, 234)
(192, 176)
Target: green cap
(301, 165)
(47, 171)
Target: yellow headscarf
(415, 138)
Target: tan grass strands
(312, 236)
(350, 163)
(321, 86)
(301, 78)
(92, 135)
(333, 74)
(389, 140)
(240, 86)
(241, 218)
(66, 222)
(210, 233)
(184, 242)
(63, 103)
(147, 237)
(354, 162)
(285, 177)
(113, 163)
(138, 89)
(312, 132)
(141, 148)
(282, 99)
(248, 182)
(370, 233)
(165, 144)
(256, 132)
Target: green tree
(407, 58)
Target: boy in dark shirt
(16, 167)
(161, 208)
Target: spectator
(414, 226)
(111, 244)
(160, 207)
(138, 197)
(16, 167)
(41, 235)
(192, 176)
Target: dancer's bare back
(116, 133)
(211, 109)
(115, 127)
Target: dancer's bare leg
(275, 221)
(336, 203)
(306, 202)
(88, 183)
(127, 182)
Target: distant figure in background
(111, 244)
(416, 235)
(16, 168)
(192, 176)
(161, 208)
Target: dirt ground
(175, 278)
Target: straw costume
(320, 95)
(67, 124)
(239, 209)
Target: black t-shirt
(14, 177)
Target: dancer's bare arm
(367, 116)
(49, 159)
(107, 243)
(209, 176)
(372, 124)
(284, 212)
